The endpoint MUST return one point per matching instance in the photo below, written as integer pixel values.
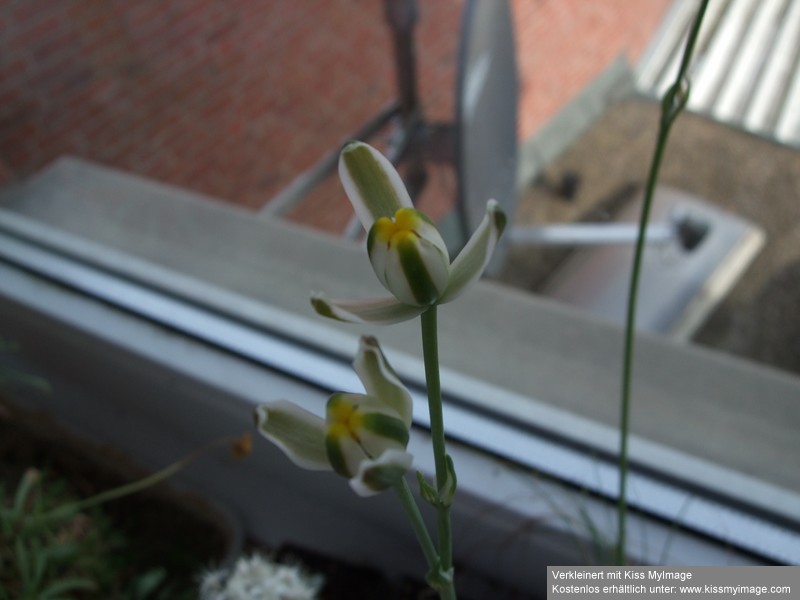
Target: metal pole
(402, 16)
(589, 234)
(301, 185)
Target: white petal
(299, 433)
(346, 455)
(409, 257)
(416, 273)
(381, 428)
(378, 311)
(375, 476)
(380, 380)
(473, 258)
(371, 182)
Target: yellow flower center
(345, 420)
(393, 231)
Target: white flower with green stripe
(363, 437)
(406, 250)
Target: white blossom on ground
(260, 578)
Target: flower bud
(409, 257)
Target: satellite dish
(486, 114)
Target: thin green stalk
(129, 488)
(412, 512)
(674, 101)
(430, 351)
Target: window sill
(529, 385)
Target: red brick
(13, 72)
(7, 175)
(29, 34)
(33, 11)
(236, 98)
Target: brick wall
(564, 44)
(233, 98)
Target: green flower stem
(674, 101)
(430, 351)
(412, 512)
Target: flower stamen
(345, 420)
(395, 230)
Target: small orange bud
(242, 446)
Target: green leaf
(426, 490)
(448, 490)
(9, 376)
(63, 551)
(23, 562)
(443, 497)
(63, 586)
(147, 583)
(39, 566)
(29, 481)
